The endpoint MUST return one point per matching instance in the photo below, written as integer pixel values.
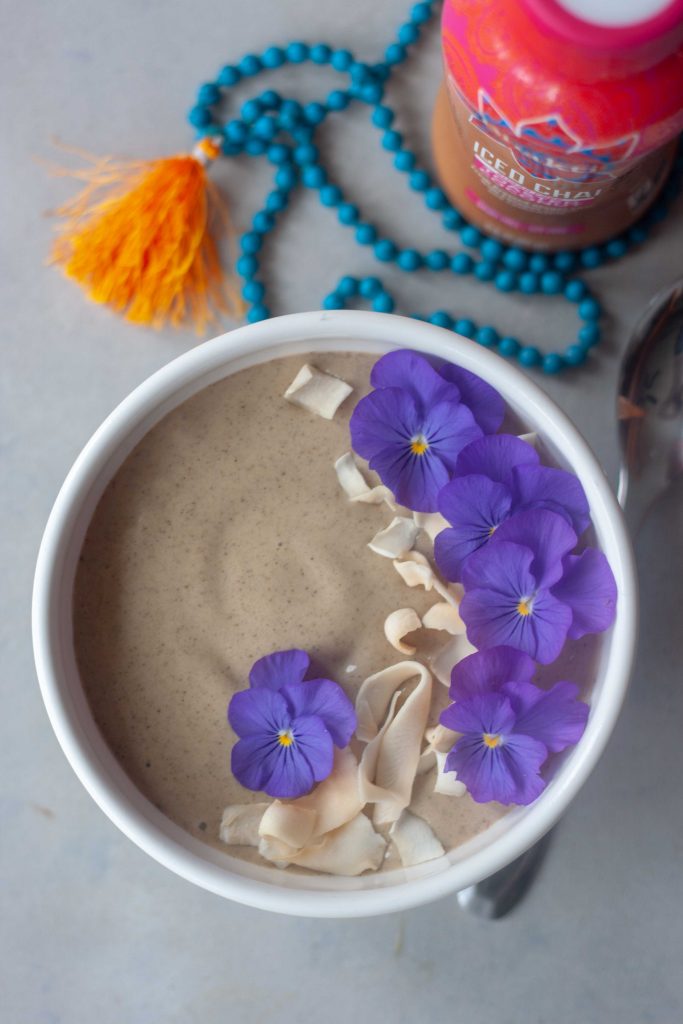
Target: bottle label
(504, 174)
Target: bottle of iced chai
(558, 121)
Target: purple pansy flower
(524, 589)
(494, 478)
(413, 426)
(508, 725)
(288, 727)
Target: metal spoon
(650, 415)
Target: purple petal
(415, 480)
(314, 742)
(483, 713)
(553, 717)
(487, 671)
(553, 489)
(253, 760)
(547, 534)
(507, 773)
(409, 370)
(475, 506)
(486, 405)
(325, 699)
(504, 568)
(278, 669)
(382, 419)
(495, 457)
(492, 619)
(449, 428)
(290, 776)
(254, 712)
(589, 589)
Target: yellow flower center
(491, 740)
(524, 606)
(285, 737)
(419, 445)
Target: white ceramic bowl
(100, 773)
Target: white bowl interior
(102, 775)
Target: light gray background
(90, 927)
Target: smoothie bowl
(422, 652)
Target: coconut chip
(318, 392)
(415, 570)
(348, 850)
(356, 487)
(414, 840)
(393, 735)
(398, 624)
(444, 616)
(396, 539)
(450, 654)
(431, 522)
(240, 824)
(530, 438)
(447, 782)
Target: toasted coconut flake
(348, 850)
(440, 738)
(390, 759)
(426, 762)
(444, 616)
(447, 782)
(398, 624)
(290, 824)
(415, 570)
(431, 522)
(240, 824)
(377, 495)
(414, 840)
(356, 487)
(318, 392)
(450, 654)
(396, 539)
(531, 438)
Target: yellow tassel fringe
(137, 238)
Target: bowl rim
(355, 328)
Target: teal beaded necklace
(283, 130)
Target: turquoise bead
(421, 13)
(471, 236)
(250, 65)
(637, 234)
(251, 111)
(575, 355)
(528, 282)
(333, 301)
(246, 266)
(564, 261)
(266, 128)
(589, 335)
(297, 52)
(348, 213)
(337, 100)
(491, 249)
(257, 313)
(341, 60)
(575, 290)
(616, 248)
(589, 309)
(253, 291)
(273, 57)
(229, 148)
(314, 113)
(236, 131)
(263, 223)
(348, 286)
(408, 34)
(271, 100)
(515, 259)
(487, 336)
(276, 201)
(392, 141)
(529, 356)
(369, 287)
(383, 303)
(228, 76)
(441, 319)
(291, 109)
(314, 176)
(508, 346)
(395, 53)
(366, 234)
(551, 282)
(419, 181)
(382, 117)
(307, 154)
(462, 263)
(505, 281)
(208, 94)
(199, 117)
(485, 271)
(255, 147)
(409, 259)
(330, 195)
(286, 176)
(321, 53)
(437, 259)
(538, 262)
(404, 160)
(435, 199)
(251, 242)
(452, 220)
(277, 154)
(385, 250)
(591, 257)
(552, 363)
(372, 92)
(465, 327)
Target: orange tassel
(137, 238)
